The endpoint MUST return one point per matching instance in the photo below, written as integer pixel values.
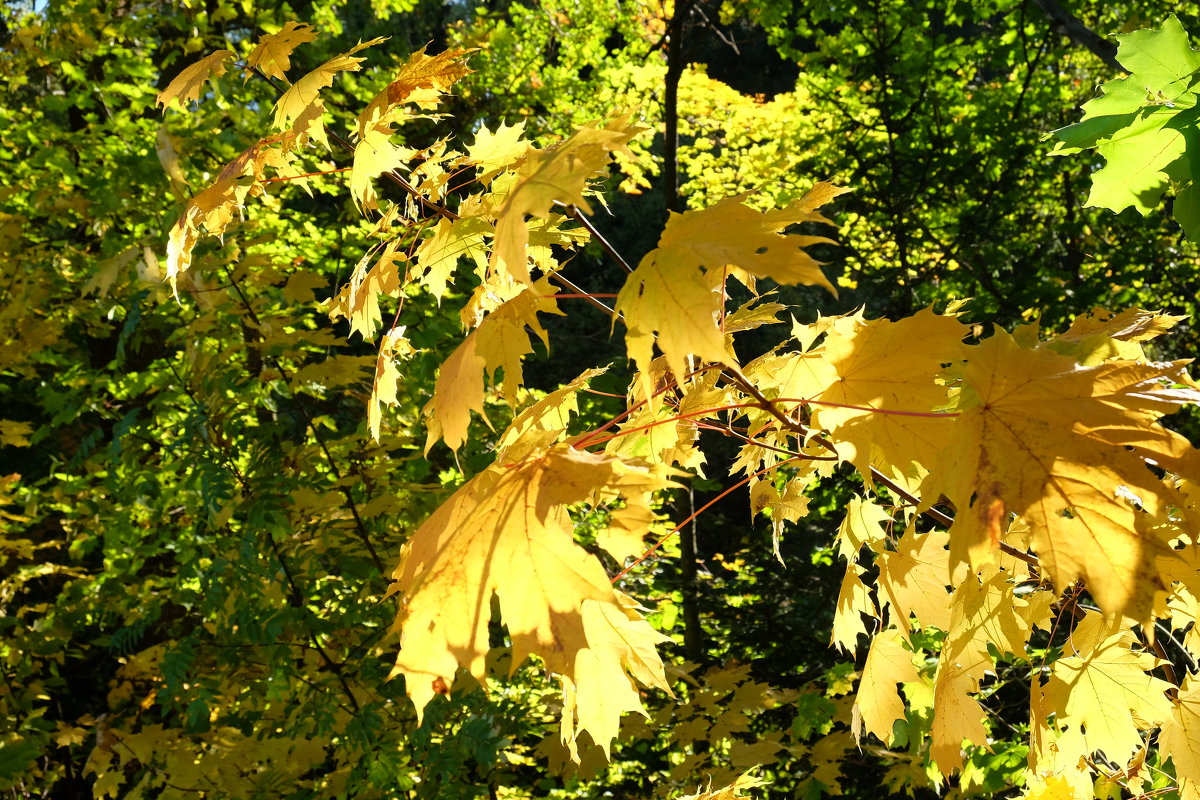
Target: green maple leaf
(1145, 126)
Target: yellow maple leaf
(376, 274)
(984, 613)
(437, 256)
(877, 369)
(500, 342)
(212, 210)
(421, 80)
(878, 703)
(1130, 325)
(1069, 449)
(302, 96)
(1056, 787)
(168, 157)
(272, 56)
(394, 350)
(14, 433)
(188, 83)
(620, 654)
(557, 174)
(731, 792)
(915, 578)
(731, 233)
(544, 422)
(862, 525)
(1180, 738)
(854, 600)
(374, 155)
(507, 533)
(494, 151)
(1102, 690)
(682, 280)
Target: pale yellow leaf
(862, 525)
(682, 280)
(421, 80)
(374, 155)
(985, 613)
(1072, 450)
(881, 386)
(187, 84)
(497, 150)
(272, 56)
(14, 433)
(499, 343)
(854, 600)
(437, 256)
(543, 423)
(733, 791)
(393, 351)
(915, 580)
(1103, 690)
(169, 159)
(296, 103)
(507, 533)
(1180, 738)
(878, 703)
(557, 174)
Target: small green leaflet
(1145, 127)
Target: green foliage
(1146, 126)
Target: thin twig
(558, 277)
(574, 213)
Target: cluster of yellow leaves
(508, 533)
(1049, 453)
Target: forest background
(198, 526)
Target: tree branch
(1070, 26)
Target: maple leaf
(878, 704)
(985, 614)
(1180, 738)
(500, 342)
(1130, 325)
(662, 432)
(854, 600)
(1069, 449)
(212, 209)
(873, 368)
(437, 256)
(374, 155)
(168, 157)
(731, 233)
(544, 177)
(1055, 787)
(187, 84)
(303, 96)
(544, 422)
(604, 686)
(272, 56)
(677, 291)
(394, 349)
(507, 533)
(358, 301)
(915, 580)
(731, 792)
(14, 433)
(1102, 689)
(862, 525)
(422, 80)
(494, 151)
